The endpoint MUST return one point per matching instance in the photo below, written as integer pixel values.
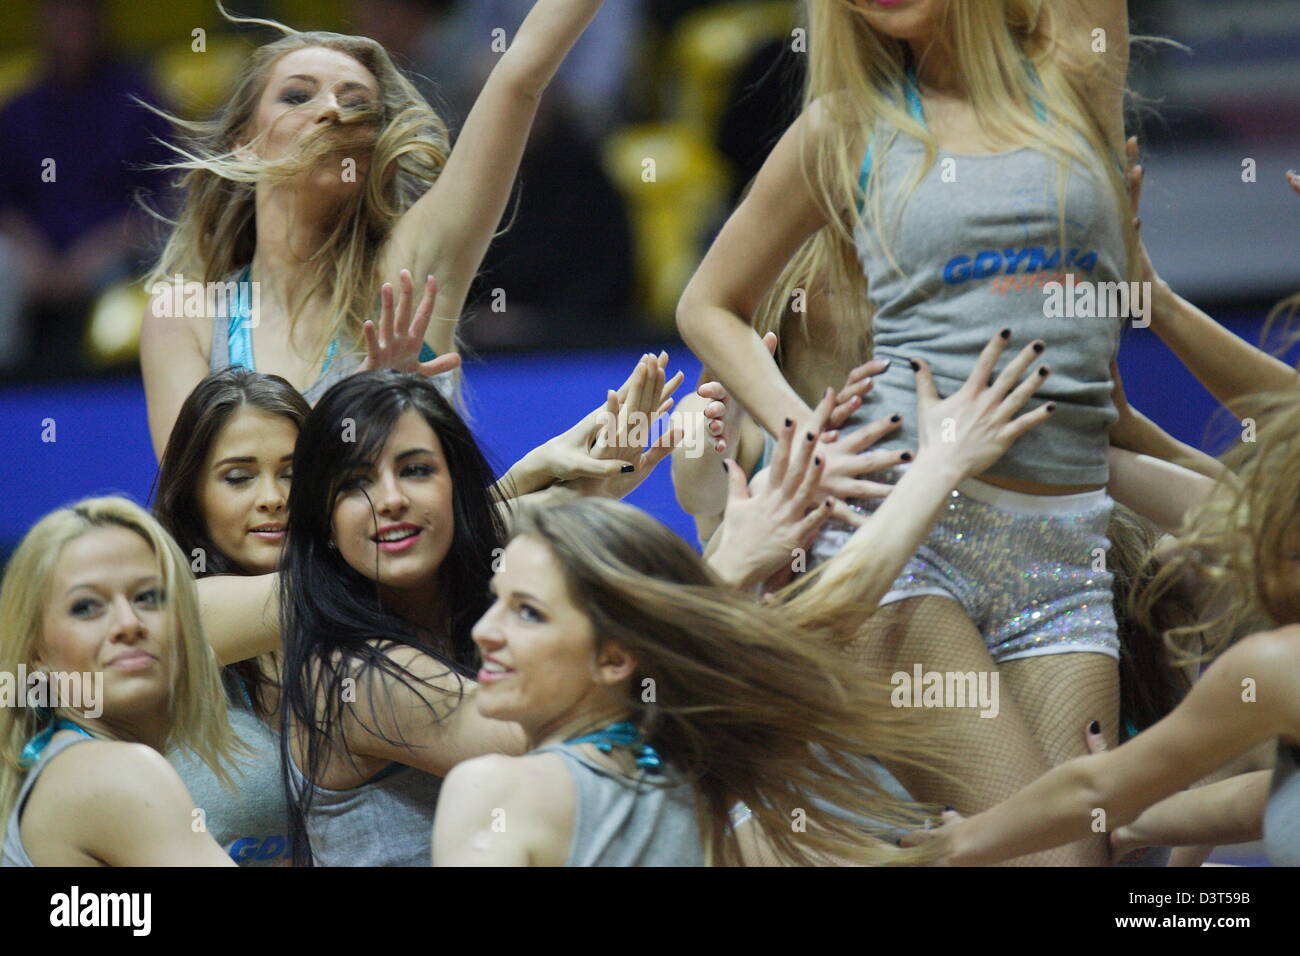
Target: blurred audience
(69, 173)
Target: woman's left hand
(397, 342)
(949, 820)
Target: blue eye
(84, 608)
(531, 614)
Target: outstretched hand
(397, 341)
(972, 428)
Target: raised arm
(715, 312)
(424, 721)
(240, 615)
(1158, 490)
(447, 231)
(172, 361)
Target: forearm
(1136, 433)
(735, 353)
(1227, 365)
(524, 477)
(1230, 811)
(543, 40)
(1154, 488)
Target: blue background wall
(517, 401)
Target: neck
(936, 66)
(147, 728)
(290, 231)
(587, 717)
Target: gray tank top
(975, 253)
(252, 823)
(1282, 815)
(13, 852)
(387, 821)
(225, 352)
(625, 822)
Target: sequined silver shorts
(1026, 568)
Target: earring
(332, 545)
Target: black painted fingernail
(828, 502)
(1005, 333)
(906, 456)
(1043, 371)
(1051, 406)
(725, 470)
(895, 417)
(817, 462)
(1039, 346)
(789, 422)
(1094, 728)
(628, 469)
(949, 809)
(916, 366)
(811, 436)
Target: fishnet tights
(1044, 705)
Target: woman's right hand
(972, 428)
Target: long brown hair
(752, 702)
(205, 412)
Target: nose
(329, 109)
(390, 500)
(127, 626)
(270, 496)
(486, 634)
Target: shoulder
(105, 783)
(420, 664)
(1268, 665)
(496, 775)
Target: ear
(615, 664)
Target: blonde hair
(1239, 545)
(215, 231)
(197, 701)
(752, 702)
(856, 77)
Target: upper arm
(778, 214)
(125, 805)
(172, 362)
(240, 615)
(502, 811)
(1251, 693)
(428, 721)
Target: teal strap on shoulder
(239, 335)
(913, 94)
(36, 746)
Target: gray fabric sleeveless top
(13, 852)
(975, 253)
(624, 822)
(341, 366)
(1282, 815)
(251, 824)
(387, 821)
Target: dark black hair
(175, 493)
(331, 613)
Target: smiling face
(105, 612)
(540, 666)
(308, 88)
(393, 520)
(244, 488)
(911, 20)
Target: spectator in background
(69, 171)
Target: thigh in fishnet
(1058, 695)
(981, 761)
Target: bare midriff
(1036, 487)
